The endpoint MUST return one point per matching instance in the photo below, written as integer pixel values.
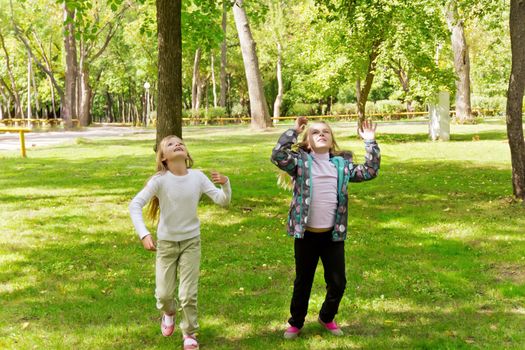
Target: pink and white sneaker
(189, 342)
(331, 327)
(165, 329)
(291, 332)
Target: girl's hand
(367, 130)
(217, 178)
(300, 124)
(148, 243)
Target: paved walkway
(10, 141)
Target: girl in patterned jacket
(319, 211)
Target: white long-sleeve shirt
(178, 198)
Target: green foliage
(304, 109)
(489, 105)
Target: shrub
(489, 105)
(390, 106)
(299, 109)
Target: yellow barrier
(21, 132)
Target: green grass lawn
(435, 254)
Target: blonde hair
(153, 209)
(305, 145)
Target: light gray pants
(182, 258)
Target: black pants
(308, 250)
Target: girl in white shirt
(173, 193)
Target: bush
(303, 109)
(344, 109)
(489, 105)
(239, 111)
(390, 106)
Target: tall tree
(260, 117)
(224, 88)
(461, 62)
(515, 97)
(169, 105)
(68, 105)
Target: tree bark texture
(461, 63)
(364, 90)
(196, 82)
(224, 84)
(515, 97)
(169, 103)
(280, 90)
(260, 117)
(69, 100)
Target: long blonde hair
(334, 149)
(153, 209)
(284, 180)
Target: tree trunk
(35, 91)
(515, 97)
(196, 82)
(214, 84)
(461, 63)
(279, 98)
(258, 107)
(29, 111)
(70, 98)
(224, 84)
(169, 111)
(85, 93)
(363, 91)
(12, 90)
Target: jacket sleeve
(370, 168)
(283, 156)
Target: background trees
(336, 56)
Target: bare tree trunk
(365, 90)
(214, 84)
(169, 111)
(515, 97)
(196, 81)
(85, 93)
(29, 114)
(461, 63)
(70, 98)
(258, 107)
(224, 84)
(13, 91)
(37, 103)
(404, 79)
(280, 90)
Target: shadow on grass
(421, 252)
(457, 137)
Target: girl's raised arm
(221, 196)
(370, 168)
(282, 154)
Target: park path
(10, 141)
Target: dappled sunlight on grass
(434, 253)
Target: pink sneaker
(291, 332)
(166, 330)
(189, 342)
(331, 327)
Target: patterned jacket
(298, 164)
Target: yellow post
(22, 143)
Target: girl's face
(320, 138)
(174, 148)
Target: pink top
(324, 192)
